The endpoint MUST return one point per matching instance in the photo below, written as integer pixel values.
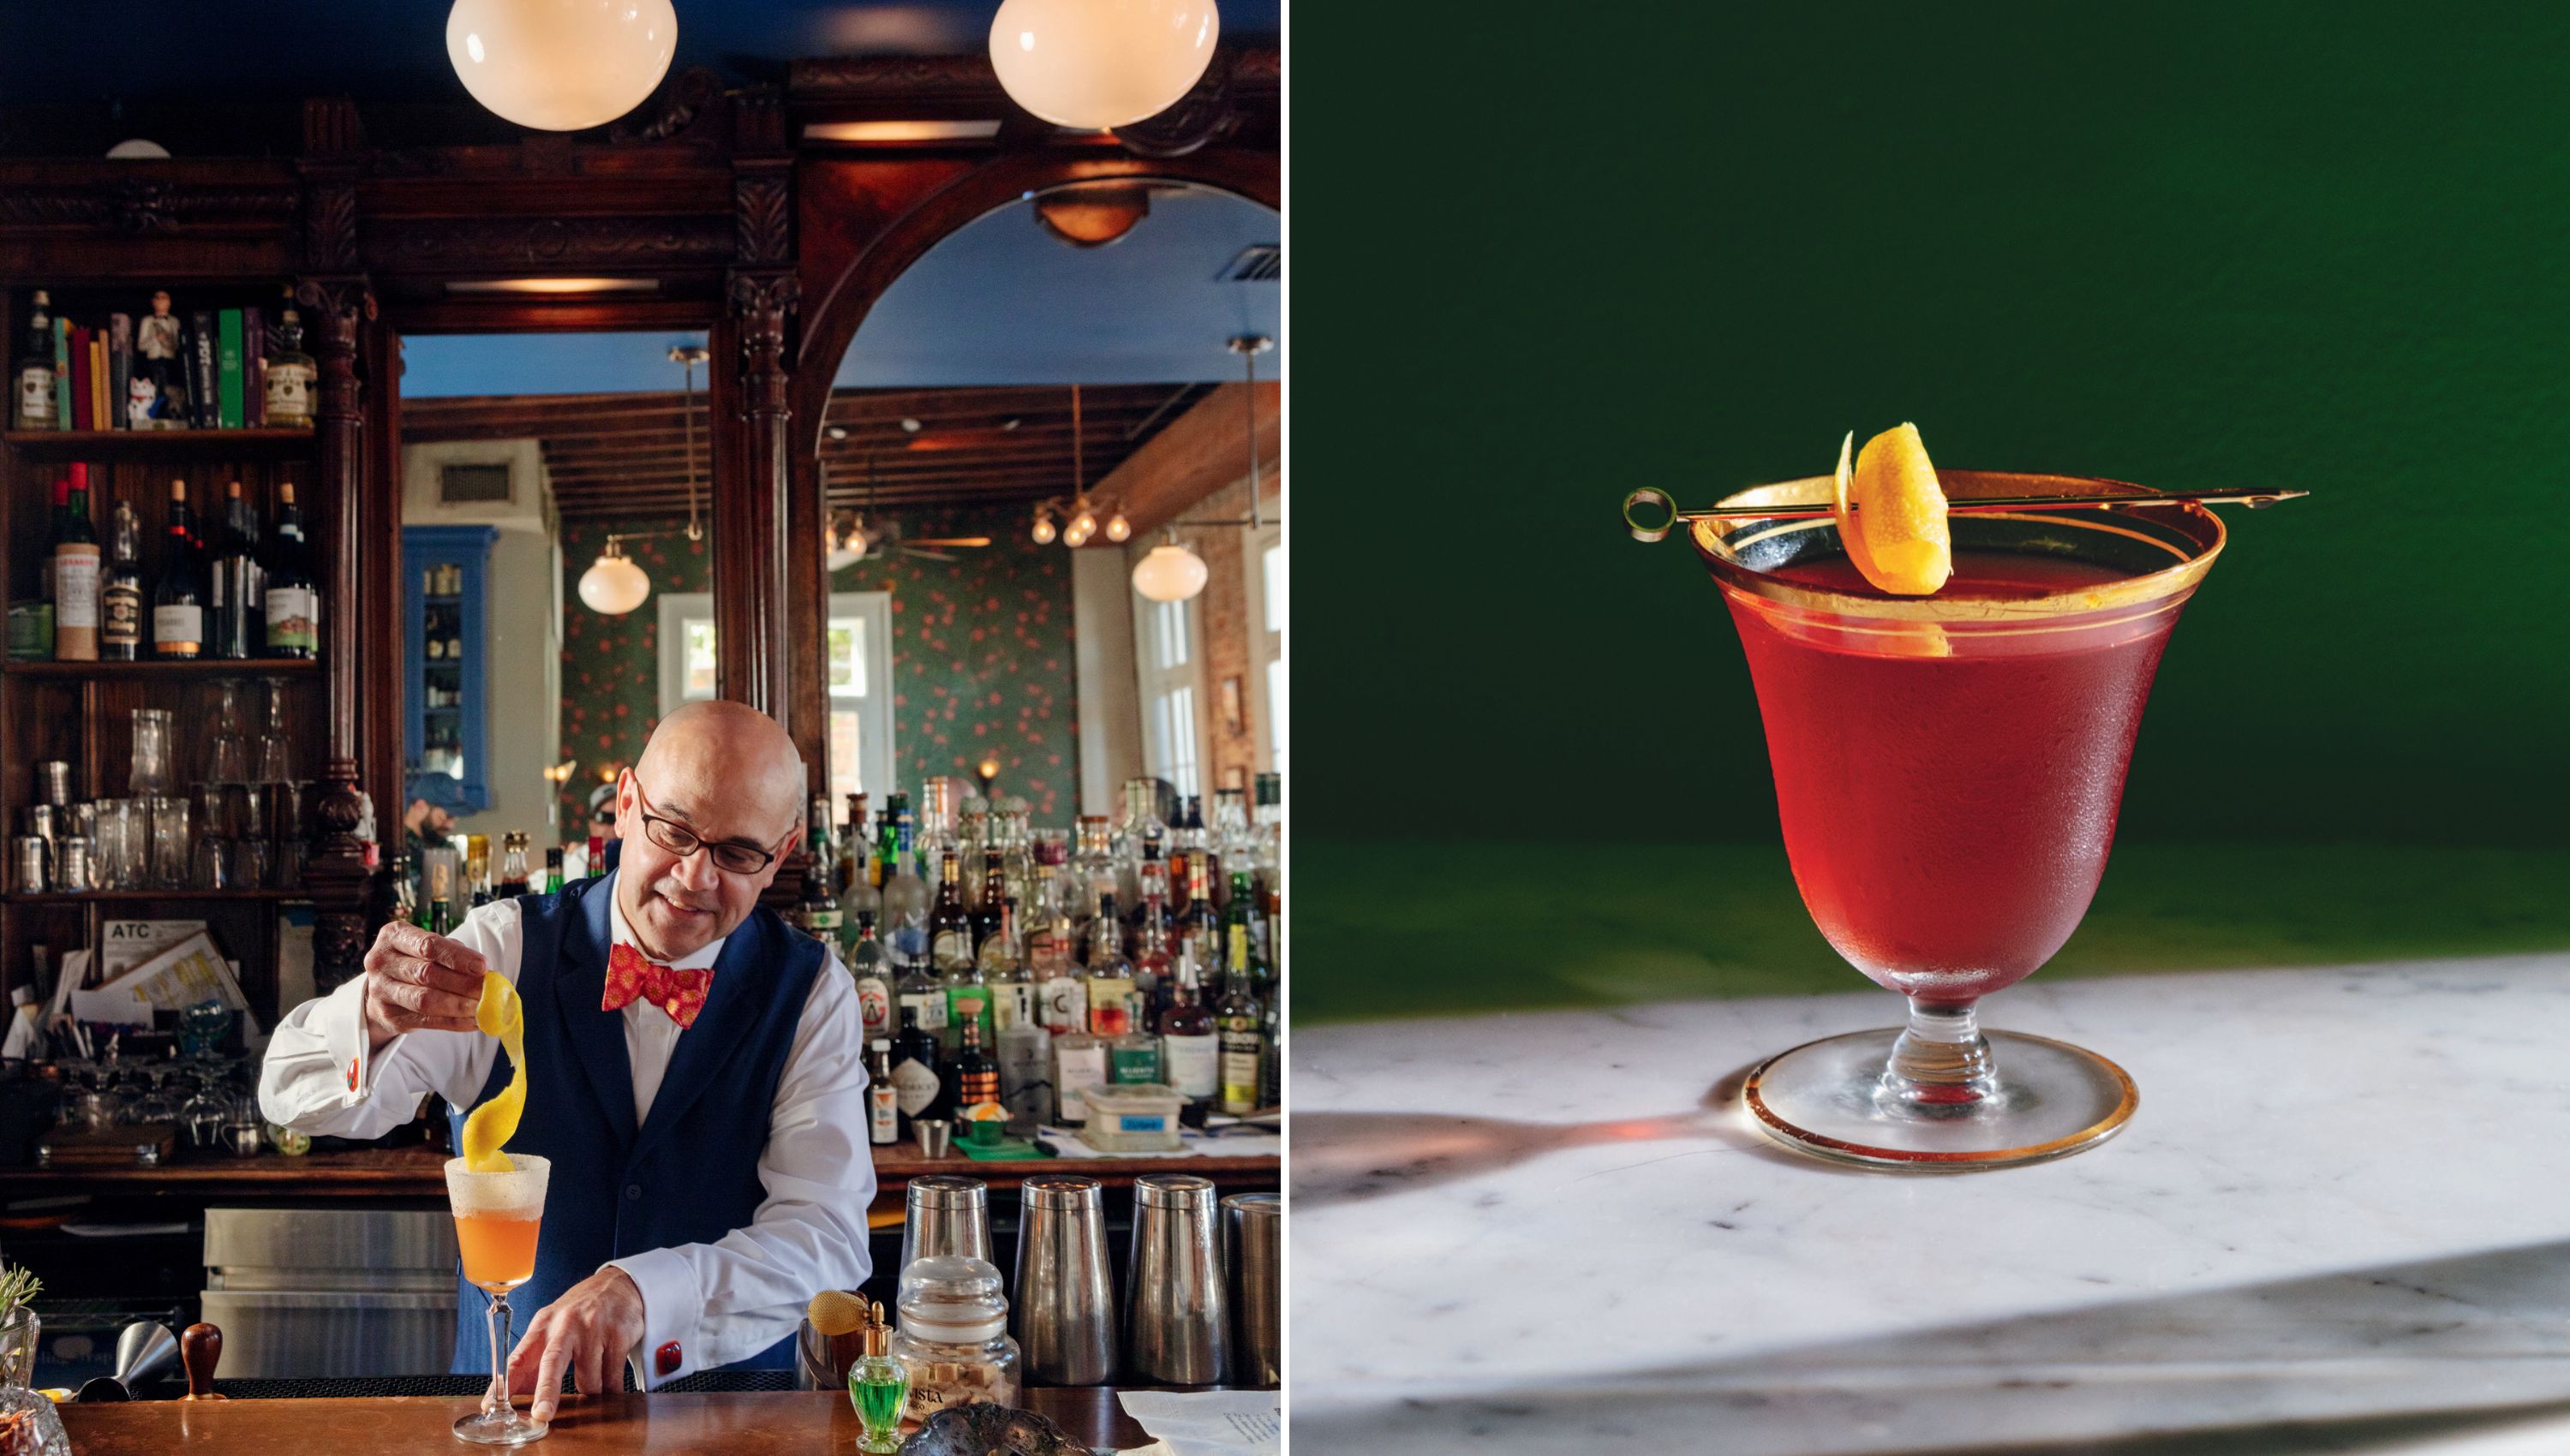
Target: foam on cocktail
(491, 1125)
(517, 1192)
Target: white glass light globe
(1044, 530)
(1170, 573)
(614, 585)
(1094, 63)
(1118, 528)
(560, 64)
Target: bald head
(725, 774)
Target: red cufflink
(352, 1074)
(666, 1360)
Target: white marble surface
(2340, 1220)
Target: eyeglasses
(730, 855)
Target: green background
(2192, 245)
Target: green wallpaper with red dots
(610, 671)
(982, 658)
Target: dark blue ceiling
(395, 50)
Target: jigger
(1065, 1313)
(1176, 1320)
(945, 1215)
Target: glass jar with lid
(954, 1336)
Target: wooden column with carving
(335, 313)
(752, 615)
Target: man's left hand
(587, 1331)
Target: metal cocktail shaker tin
(1065, 1313)
(1177, 1329)
(945, 1215)
(1253, 1226)
(27, 867)
(54, 781)
(72, 866)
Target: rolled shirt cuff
(343, 1030)
(670, 1303)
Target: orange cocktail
(497, 1215)
(499, 1249)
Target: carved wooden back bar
(775, 246)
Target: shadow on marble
(2416, 1433)
(2364, 1360)
(1346, 1157)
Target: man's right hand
(416, 982)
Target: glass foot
(1830, 1099)
(504, 1425)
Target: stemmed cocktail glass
(1949, 769)
(496, 1218)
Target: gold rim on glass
(1800, 1139)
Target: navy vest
(690, 1174)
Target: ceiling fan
(852, 537)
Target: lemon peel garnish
(501, 1014)
(1892, 513)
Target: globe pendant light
(1169, 572)
(612, 584)
(560, 64)
(1094, 63)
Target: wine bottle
(76, 577)
(119, 592)
(293, 606)
(239, 585)
(35, 407)
(179, 599)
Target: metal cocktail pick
(1955, 506)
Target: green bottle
(878, 1386)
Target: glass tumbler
(170, 841)
(149, 772)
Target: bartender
(695, 1071)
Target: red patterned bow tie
(682, 993)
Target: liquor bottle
(290, 373)
(1110, 975)
(1133, 1059)
(119, 592)
(1151, 883)
(1013, 991)
(905, 893)
(596, 865)
(553, 870)
(856, 888)
(513, 854)
(1271, 834)
(1242, 1026)
(977, 1077)
(1140, 825)
(1047, 930)
(995, 891)
(76, 583)
(1229, 845)
(1093, 875)
(1200, 930)
(179, 599)
(240, 587)
(921, 997)
(949, 927)
(1061, 997)
(919, 1088)
(883, 1104)
(1153, 976)
(1026, 1074)
(1190, 1052)
(34, 409)
(1186, 846)
(935, 833)
(294, 603)
(1079, 1063)
(866, 964)
(820, 908)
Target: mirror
(557, 566)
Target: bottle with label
(1110, 975)
(179, 599)
(513, 863)
(882, 1099)
(35, 408)
(76, 577)
(1026, 1074)
(1079, 1063)
(1200, 932)
(293, 605)
(977, 1076)
(858, 892)
(120, 591)
(239, 583)
(1152, 960)
(1133, 1059)
(874, 993)
(919, 1088)
(950, 925)
(1013, 991)
(920, 994)
(1190, 1052)
(1242, 1026)
(290, 373)
(820, 908)
(1092, 877)
(905, 893)
(1062, 1001)
(553, 870)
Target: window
(859, 674)
(1264, 550)
(1166, 658)
(687, 648)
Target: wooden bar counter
(417, 1173)
(801, 1423)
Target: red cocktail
(1948, 771)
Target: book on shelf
(202, 409)
(62, 373)
(253, 369)
(78, 378)
(102, 416)
(228, 369)
(120, 370)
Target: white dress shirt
(719, 1302)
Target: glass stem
(498, 1314)
(1941, 1063)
